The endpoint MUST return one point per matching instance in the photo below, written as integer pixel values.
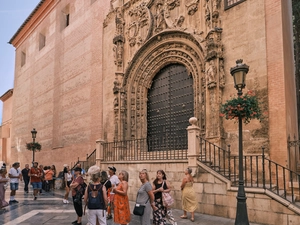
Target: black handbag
(138, 208)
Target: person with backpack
(121, 202)
(95, 198)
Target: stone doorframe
(168, 47)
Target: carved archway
(161, 50)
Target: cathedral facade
(132, 69)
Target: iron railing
(86, 164)
(142, 149)
(259, 171)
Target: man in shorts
(35, 174)
(14, 174)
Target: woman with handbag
(189, 203)
(145, 199)
(163, 200)
(75, 186)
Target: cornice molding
(33, 20)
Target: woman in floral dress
(121, 202)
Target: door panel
(170, 105)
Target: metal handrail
(259, 171)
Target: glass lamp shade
(239, 73)
(239, 78)
(33, 133)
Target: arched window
(170, 105)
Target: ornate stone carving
(211, 74)
(171, 4)
(192, 6)
(207, 13)
(140, 25)
(214, 46)
(119, 38)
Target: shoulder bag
(167, 198)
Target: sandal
(183, 217)
(192, 219)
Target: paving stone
(49, 209)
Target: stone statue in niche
(207, 13)
(160, 17)
(215, 19)
(216, 5)
(119, 22)
(123, 100)
(211, 72)
(116, 102)
(222, 74)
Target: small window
(67, 20)
(23, 58)
(65, 17)
(230, 3)
(42, 41)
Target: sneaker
(64, 201)
(35, 198)
(75, 222)
(67, 202)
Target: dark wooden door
(170, 105)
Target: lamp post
(239, 76)
(33, 134)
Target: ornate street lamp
(33, 134)
(239, 76)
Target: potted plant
(247, 106)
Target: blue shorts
(36, 185)
(14, 186)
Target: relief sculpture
(192, 6)
(140, 25)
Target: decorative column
(193, 144)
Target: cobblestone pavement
(49, 209)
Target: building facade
(109, 71)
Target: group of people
(39, 177)
(113, 193)
(105, 192)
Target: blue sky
(12, 14)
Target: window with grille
(230, 3)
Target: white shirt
(14, 172)
(114, 180)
